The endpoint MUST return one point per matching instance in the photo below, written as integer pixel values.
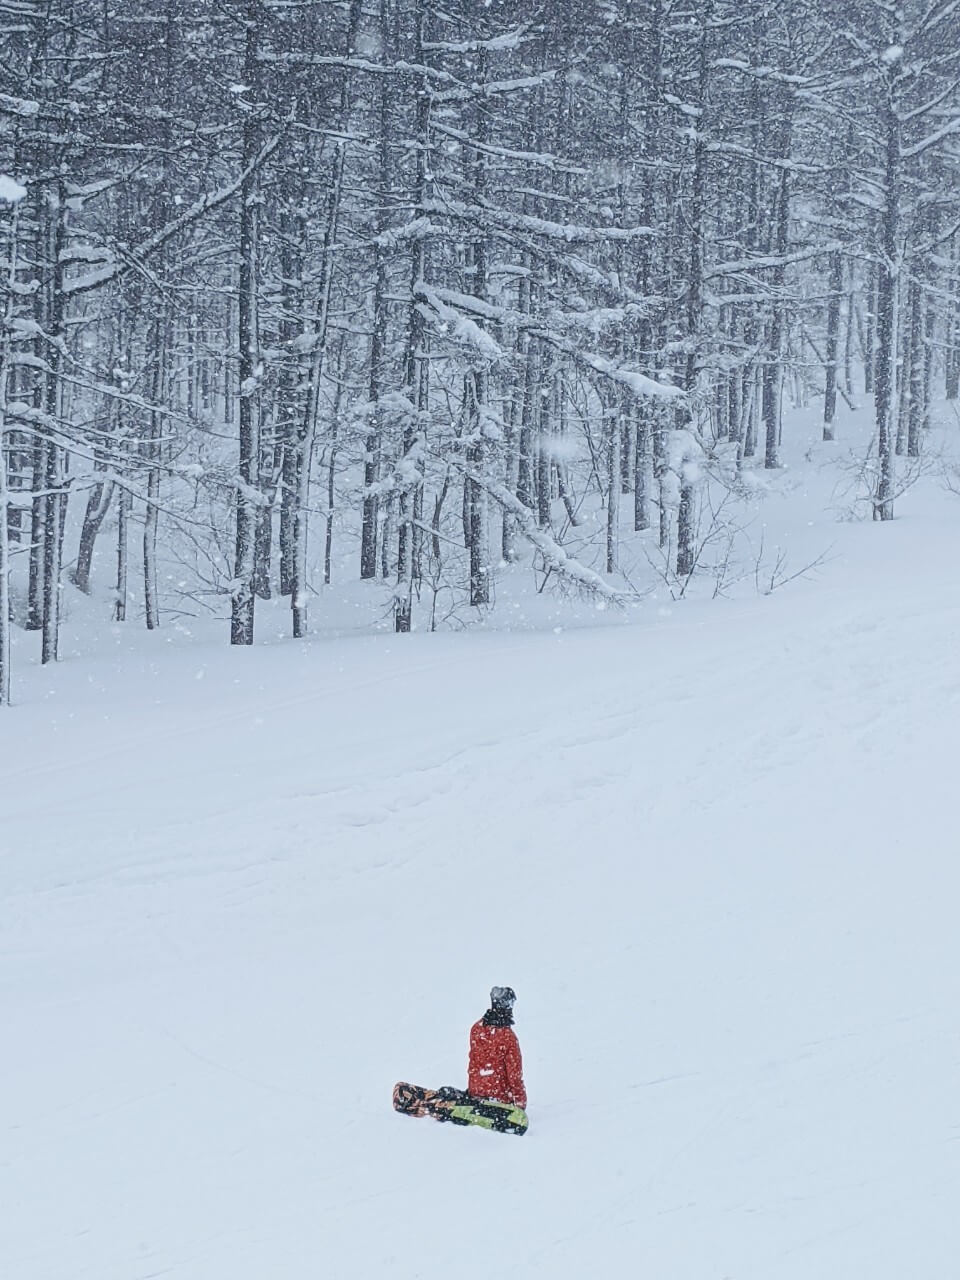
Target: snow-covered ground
(713, 848)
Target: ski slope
(713, 848)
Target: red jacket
(496, 1068)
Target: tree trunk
(476, 390)
(416, 367)
(289, 407)
(475, 393)
(686, 511)
(886, 357)
(641, 471)
(929, 337)
(5, 342)
(123, 516)
(614, 449)
(544, 452)
(270, 469)
(98, 504)
(5, 620)
(917, 376)
(848, 334)
(870, 336)
(332, 468)
(833, 335)
(773, 366)
(54, 501)
(378, 338)
(952, 353)
(529, 423)
(508, 527)
(41, 213)
(308, 430)
(248, 331)
(153, 449)
(53, 483)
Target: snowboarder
(495, 1070)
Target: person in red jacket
(495, 1070)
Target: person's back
(495, 1068)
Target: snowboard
(458, 1107)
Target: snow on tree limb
(25, 107)
(415, 229)
(639, 383)
(544, 160)
(765, 262)
(508, 40)
(773, 74)
(291, 58)
(493, 88)
(454, 309)
(498, 218)
(146, 248)
(442, 300)
(950, 129)
(554, 556)
(461, 326)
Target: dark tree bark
(98, 504)
(416, 367)
(835, 287)
(773, 366)
(249, 359)
(369, 526)
(889, 275)
(917, 371)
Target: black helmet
(502, 998)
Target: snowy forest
(422, 294)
